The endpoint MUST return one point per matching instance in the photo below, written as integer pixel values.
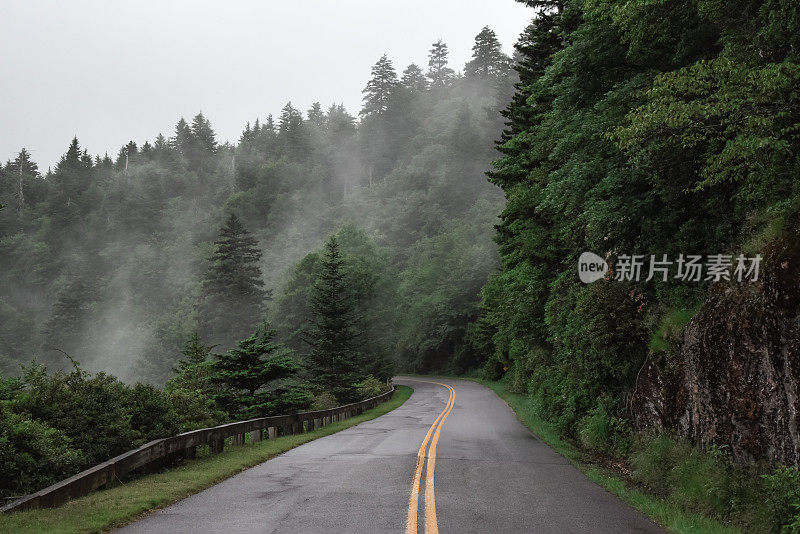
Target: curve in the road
(431, 524)
(491, 473)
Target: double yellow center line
(431, 526)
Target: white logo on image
(591, 267)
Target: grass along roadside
(120, 505)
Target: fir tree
(439, 73)
(316, 116)
(194, 371)
(334, 364)
(291, 132)
(380, 88)
(414, 79)
(203, 135)
(488, 60)
(182, 141)
(21, 170)
(233, 295)
(194, 352)
(244, 373)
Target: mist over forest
(182, 282)
(103, 257)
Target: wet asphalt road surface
(491, 476)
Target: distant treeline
(111, 260)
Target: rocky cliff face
(735, 378)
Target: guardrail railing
(159, 452)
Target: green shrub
(783, 497)
(601, 431)
(33, 455)
(324, 401)
(371, 387)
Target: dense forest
(323, 252)
(297, 268)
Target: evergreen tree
(334, 364)
(194, 371)
(72, 177)
(291, 133)
(194, 352)
(380, 88)
(21, 170)
(488, 60)
(414, 79)
(233, 295)
(340, 124)
(244, 373)
(183, 139)
(316, 116)
(439, 73)
(203, 136)
(65, 328)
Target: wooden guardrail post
(272, 432)
(255, 435)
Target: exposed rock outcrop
(735, 379)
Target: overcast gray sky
(111, 71)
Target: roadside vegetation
(685, 488)
(130, 499)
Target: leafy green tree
(233, 294)
(334, 364)
(245, 373)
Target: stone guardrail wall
(160, 452)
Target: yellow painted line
(413, 503)
(431, 525)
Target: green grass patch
(670, 329)
(120, 505)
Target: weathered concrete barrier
(155, 453)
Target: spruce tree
(488, 60)
(334, 364)
(439, 73)
(414, 79)
(233, 295)
(380, 88)
(194, 371)
(182, 141)
(22, 169)
(243, 374)
(291, 133)
(205, 141)
(316, 116)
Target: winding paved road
(491, 475)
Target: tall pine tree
(233, 294)
(439, 73)
(380, 88)
(488, 60)
(335, 363)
